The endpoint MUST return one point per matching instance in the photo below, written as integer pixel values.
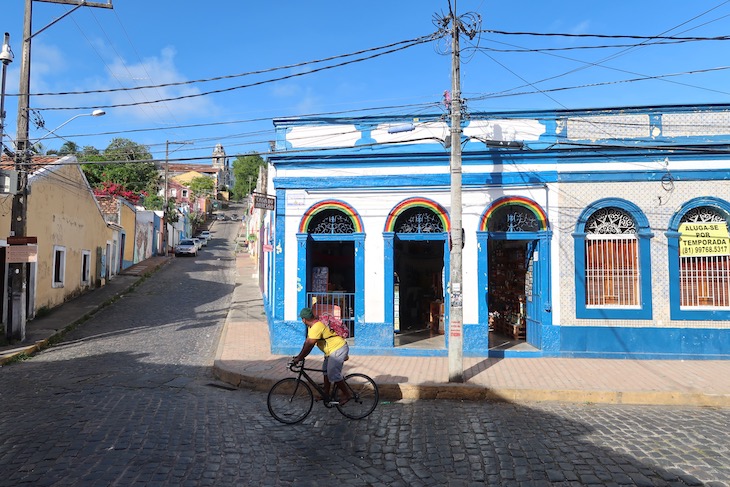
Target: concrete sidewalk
(244, 359)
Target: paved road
(129, 399)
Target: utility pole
(166, 198)
(19, 212)
(167, 204)
(18, 224)
(456, 310)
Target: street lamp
(6, 57)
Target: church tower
(220, 162)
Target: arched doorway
(331, 259)
(514, 265)
(416, 238)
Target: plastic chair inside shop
(332, 309)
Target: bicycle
(291, 399)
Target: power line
(607, 36)
(643, 43)
(234, 88)
(605, 83)
(392, 48)
(576, 48)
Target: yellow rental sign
(703, 239)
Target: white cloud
(310, 103)
(581, 28)
(155, 71)
(285, 90)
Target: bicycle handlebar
(295, 366)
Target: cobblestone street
(129, 399)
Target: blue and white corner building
(588, 233)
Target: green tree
(171, 213)
(123, 150)
(197, 219)
(201, 186)
(245, 174)
(123, 162)
(153, 202)
(90, 154)
(68, 148)
(157, 202)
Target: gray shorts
(332, 366)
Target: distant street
(129, 399)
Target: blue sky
(153, 43)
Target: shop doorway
(331, 279)
(511, 298)
(418, 289)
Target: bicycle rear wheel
(290, 400)
(365, 396)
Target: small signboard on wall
(703, 239)
(21, 254)
(263, 201)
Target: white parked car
(186, 247)
(198, 242)
(206, 234)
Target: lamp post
(95, 113)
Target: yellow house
(187, 177)
(73, 240)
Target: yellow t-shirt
(327, 340)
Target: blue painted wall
(552, 159)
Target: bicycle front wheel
(290, 400)
(364, 396)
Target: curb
(11, 355)
(468, 392)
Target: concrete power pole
(19, 219)
(18, 223)
(166, 197)
(456, 310)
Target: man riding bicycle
(335, 349)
